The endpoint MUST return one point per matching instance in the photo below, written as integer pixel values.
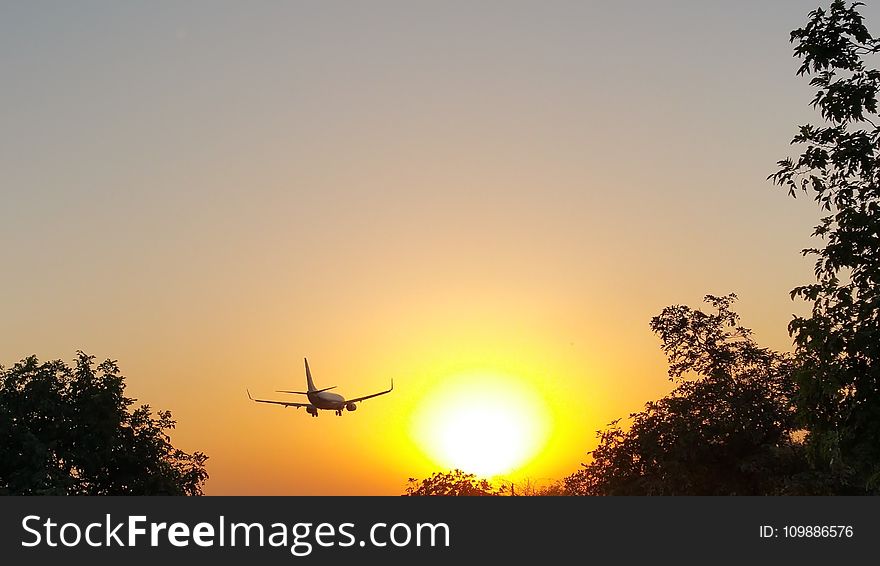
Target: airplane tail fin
(311, 383)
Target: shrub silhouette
(453, 483)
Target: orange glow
(491, 221)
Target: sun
(483, 424)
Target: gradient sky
(209, 191)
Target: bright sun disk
(483, 424)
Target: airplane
(320, 398)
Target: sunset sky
(486, 201)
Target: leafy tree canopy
(727, 429)
(68, 430)
(454, 483)
(839, 343)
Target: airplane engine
(312, 411)
(351, 406)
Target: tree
(839, 343)
(68, 430)
(728, 428)
(454, 483)
(531, 488)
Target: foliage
(459, 483)
(728, 430)
(839, 343)
(530, 488)
(69, 430)
(454, 483)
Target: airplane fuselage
(327, 400)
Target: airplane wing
(365, 397)
(285, 403)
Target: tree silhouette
(454, 483)
(839, 343)
(459, 483)
(68, 430)
(729, 428)
(530, 488)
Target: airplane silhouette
(320, 398)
